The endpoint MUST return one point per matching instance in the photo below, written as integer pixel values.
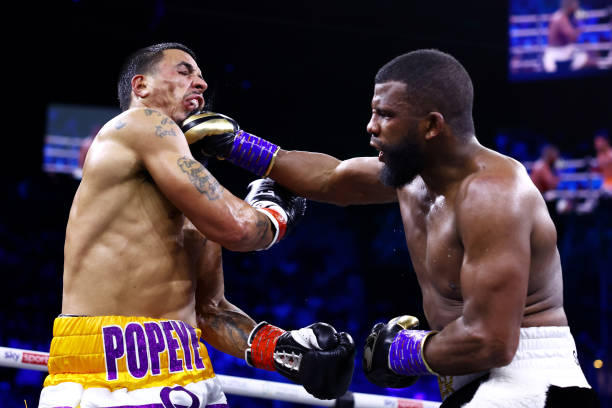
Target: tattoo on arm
(119, 124)
(232, 327)
(263, 226)
(203, 181)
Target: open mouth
(381, 155)
(193, 102)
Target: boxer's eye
(383, 113)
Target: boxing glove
(393, 353)
(317, 357)
(214, 134)
(284, 208)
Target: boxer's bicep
(359, 180)
(184, 181)
(324, 178)
(495, 232)
(568, 29)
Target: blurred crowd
(567, 182)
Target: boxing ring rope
(247, 387)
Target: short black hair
(435, 82)
(142, 62)
(603, 133)
(566, 3)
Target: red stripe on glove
(282, 222)
(262, 348)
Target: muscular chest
(433, 242)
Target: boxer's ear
(140, 86)
(434, 125)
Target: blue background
(299, 74)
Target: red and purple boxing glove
(316, 356)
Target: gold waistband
(126, 351)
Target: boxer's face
(394, 130)
(600, 143)
(177, 85)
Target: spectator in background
(543, 173)
(601, 142)
(563, 33)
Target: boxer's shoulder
(500, 187)
(140, 124)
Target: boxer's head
(418, 96)
(601, 142)
(165, 77)
(550, 154)
(570, 6)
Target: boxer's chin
(402, 163)
(397, 178)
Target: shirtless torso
(124, 252)
(434, 236)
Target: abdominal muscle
(124, 254)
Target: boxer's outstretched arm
(316, 176)
(161, 146)
(224, 326)
(321, 177)
(495, 230)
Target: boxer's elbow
(497, 350)
(247, 234)
(239, 237)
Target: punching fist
(284, 208)
(317, 357)
(214, 134)
(210, 134)
(393, 353)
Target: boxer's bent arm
(221, 216)
(495, 230)
(224, 326)
(321, 177)
(567, 28)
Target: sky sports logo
(34, 358)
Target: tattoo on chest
(203, 181)
(166, 126)
(149, 112)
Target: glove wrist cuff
(253, 153)
(261, 344)
(406, 353)
(278, 218)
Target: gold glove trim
(406, 322)
(269, 169)
(431, 333)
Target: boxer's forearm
(226, 328)
(320, 177)
(459, 349)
